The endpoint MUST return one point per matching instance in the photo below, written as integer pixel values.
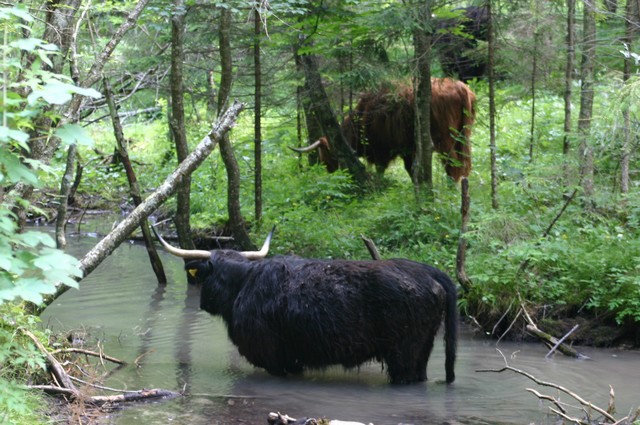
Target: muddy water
(180, 347)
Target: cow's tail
(450, 326)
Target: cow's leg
(408, 164)
(423, 359)
(404, 363)
(271, 358)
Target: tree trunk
(628, 66)
(534, 69)
(226, 63)
(59, 28)
(586, 98)
(321, 108)
(612, 5)
(422, 169)
(123, 230)
(59, 21)
(257, 117)
(491, 41)
(568, 73)
(314, 130)
(461, 255)
(134, 188)
(65, 190)
(237, 224)
(176, 122)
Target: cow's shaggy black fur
(287, 313)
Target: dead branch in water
(89, 353)
(589, 406)
(98, 400)
(548, 339)
(62, 384)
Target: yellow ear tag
(192, 272)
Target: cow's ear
(196, 269)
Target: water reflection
(178, 347)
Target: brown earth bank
(590, 330)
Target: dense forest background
(101, 101)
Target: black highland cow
(456, 43)
(286, 313)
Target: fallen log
(555, 342)
(100, 400)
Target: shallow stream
(178, 347)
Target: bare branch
(121, 232)
(582, 401)
(89, 353)
(57, 370)
(561, 341)
(548, 398)
(95, 73)
(371, 247)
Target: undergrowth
(22, 363)
(568, 253)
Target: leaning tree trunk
(122, 231)
(423, 161)
(314, 130)
(321, 109)
(134, 188)
(176, 122)
(586, 97)
(237, 224)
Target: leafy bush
(21, 362)
(30, 265)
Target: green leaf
(52, 93)
(15, 170)
(30, 44)
(18, 11)
(21, 137)
(73, 133)
(5, 259)
(59, 93)
(31, 289)
(88, 92)
(32, 239)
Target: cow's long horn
(313, 146)
(189, 254)
(258, 255)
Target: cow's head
(197, 261)
(322, 146)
